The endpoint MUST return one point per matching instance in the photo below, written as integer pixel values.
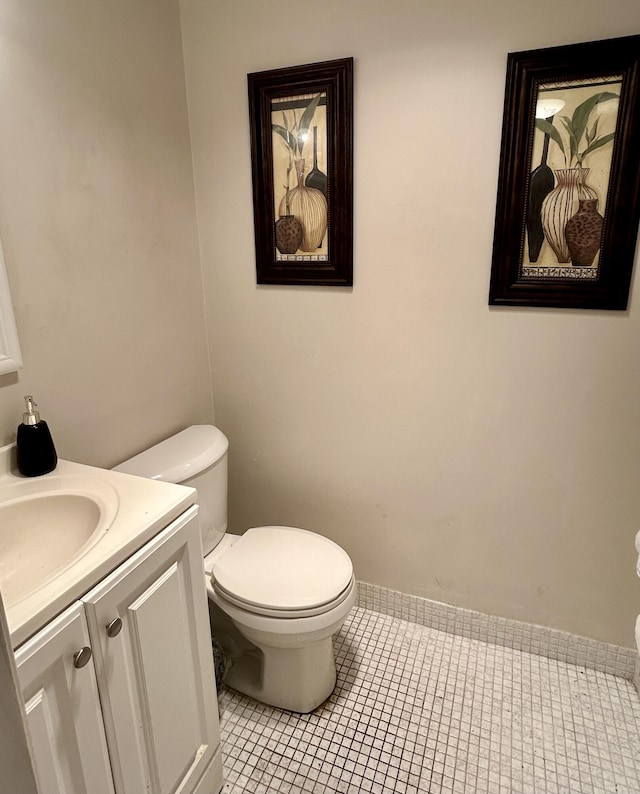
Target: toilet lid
(283, 568)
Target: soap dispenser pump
(36, 452)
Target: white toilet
(276, 594)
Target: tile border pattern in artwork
(507, 632)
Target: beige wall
(488, 458)
(97, 220)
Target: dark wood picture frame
(302, 117)
(578, 105)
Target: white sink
(61, 533)
(46, 526)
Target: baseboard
(540, 640)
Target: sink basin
(46, 525)
(62, 533)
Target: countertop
(144, 508)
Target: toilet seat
(283, 613)
(283, 572)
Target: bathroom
(483, 458)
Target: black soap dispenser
(35, 450)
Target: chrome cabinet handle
(82, 657)
(114, 627)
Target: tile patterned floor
(419, 710)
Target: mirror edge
(10, 354)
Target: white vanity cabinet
(151, 641)
(141, 716)
(65, 723)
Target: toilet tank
(196, 457)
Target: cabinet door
(150, 633)
(63, 708)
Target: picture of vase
(299, 126)
(309, 206)
(541, 184)
(584, 233)
(569, 169)
(561, 204)
(288, 234)
(316, 178)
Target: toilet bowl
(286, 591)
(277, 594)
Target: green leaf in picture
(305, 121)
(583, 111)
(581, 139)
(551, 131)
(285, 134)
(598, 143)
(573, 141)
(590, 134)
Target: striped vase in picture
(561, 204)
(309, 206)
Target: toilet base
(287, 663)
(294, 679)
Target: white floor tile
(418, 710)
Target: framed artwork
(301, 156)
(568, 199)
